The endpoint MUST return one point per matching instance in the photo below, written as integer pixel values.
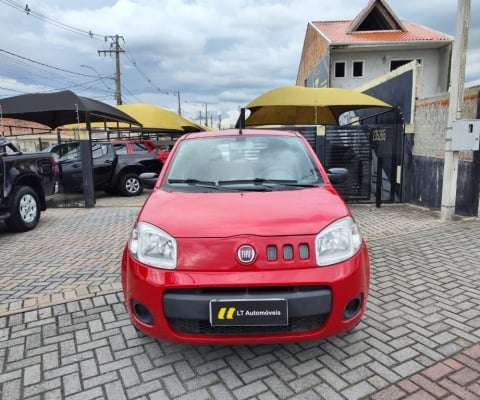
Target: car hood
(277, 213)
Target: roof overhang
(383, 46)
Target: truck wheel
(25, 212)
(130, 185)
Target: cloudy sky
(216, 54)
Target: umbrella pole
(241, 120)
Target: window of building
(357, 69)
(340, 69)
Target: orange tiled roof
(336, 32)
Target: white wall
(377, 63)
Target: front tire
(25, 212)
(129, 185)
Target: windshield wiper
(259, 183)
(194, 182)
(267, 183)
(258, 186)
(306, 185)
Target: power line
(45, 18)
(145, 76)
(22, 64)
(24, 8)
(43, 64)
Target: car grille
(287, 252)
(319, 297)
(295, 325)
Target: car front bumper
(175, 305)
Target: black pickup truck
(112, 172)
(26, 180)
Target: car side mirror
(148, 179)
(337, 175)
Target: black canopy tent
(61, 108)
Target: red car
(251, 244)
(141, 148)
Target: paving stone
(11, 389)
(219, 391)
(77, 342)
(129, 376)
(71, 383)
(157, 373)
(115, 391)
(145, 389)
(305, 382)
(89, 394)
(250, 391)
(31, 374)
(333, 380)
(229, 378)
(46, 386)
(384, 372)
(203, 381)
(358, 391)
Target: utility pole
(179, 107)
(206, 115)
(115, 48)
(450, 168)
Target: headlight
(337, 242)
(152, 246)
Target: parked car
(250, 244)
(144, 151)
(26, 181)
(111, 172)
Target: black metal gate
(371, 153)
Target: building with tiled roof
(348, 54)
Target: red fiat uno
(243, 239)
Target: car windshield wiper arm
(257, 181)
(286, 182)
(267, 183)
(297, 184)
(194, 182)
(258, 186)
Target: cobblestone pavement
(65, 334)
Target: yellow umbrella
(152, 118)
(297, 105)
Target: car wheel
(130, 185)
(25, 212)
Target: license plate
(255, 312)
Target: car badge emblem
(246, 254)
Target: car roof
(130, 140)
(238, 132)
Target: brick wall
(26, 135)
(431, 121)
(314, 48)
(429, 150)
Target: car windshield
(247, 163)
